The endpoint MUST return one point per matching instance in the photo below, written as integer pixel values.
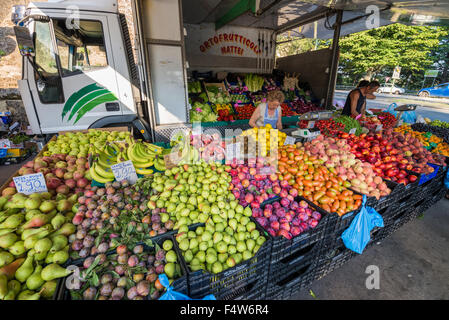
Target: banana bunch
(142, 154)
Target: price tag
(31, 183)
(289, 140)
(352, 131)
(311, 125)
(379, 127)
(125, 171)
(233, 151)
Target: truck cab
(78, 72)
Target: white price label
(379, 127)
(289, 140)
(311, 125)
(31, 183)
(233, 151)
(352, 131)
(125, 171)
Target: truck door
(76, 83)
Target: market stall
(134, 221)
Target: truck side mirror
(24, 41)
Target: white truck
(79, 69)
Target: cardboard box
(15, 152)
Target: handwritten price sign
(31, 183)
(124, 171)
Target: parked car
(390, 89)
(441, 90)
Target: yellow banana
(140, 150)
(153, 148)
(104, 172)
(144, 171)
(96, 176)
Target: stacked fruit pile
(315, 182)
(287, 111)
(130, 273)
(77, 143)
(228, 238)
(262, 138)
(429, 141)
(210, 146)
(386, 160)
(34, 237)
(287, 218)
(387, 119)
(252, 187)
(414, 151)
(338, 159)
(329, 127)
(244, 112)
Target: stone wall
(11, 60)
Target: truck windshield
(81, 48)
(49, 88)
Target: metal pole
(334, 61)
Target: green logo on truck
(85, 100)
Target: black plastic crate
(333, 259)
(289, 283)
(400, 217)
(179, 285)
(423, 205)
(383, 201)
(240, 282)
(289, 252)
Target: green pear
(31, 241)
(46, 195)
(25, 270)
(8, 240)
(3, 201)
(6, 231)
(35, 281)
(5, 258)
(3, 286)
(32, 203)
(29, 232)
(60, 257)
(28, 295)
(42, 245)
(40, 256)
(60, 196)
(17, 248)
(54, 271)
(48, 289)
(59, 242)
(47, 206)
(14, 289)
(66, 229)
(31, 213)
(58, 221)
(13, 221)
(49, 257)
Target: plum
(88, 262)
(122, 258)
(106, 289)
(118, 293)
(133, 261)
(132, 293)
(143, 288)
(120, 269)
(103, 247)
(151, 259)
(106, 278)
(90, 293)
(160, 255)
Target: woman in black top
(356, 100)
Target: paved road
(432, 108)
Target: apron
(272, 121)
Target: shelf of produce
(241, 282)
(179, 285)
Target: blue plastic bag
(407, 116)
(446, 180)
(357, 236)
(171, 294)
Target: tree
(378, 51)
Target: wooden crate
(219, 85)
